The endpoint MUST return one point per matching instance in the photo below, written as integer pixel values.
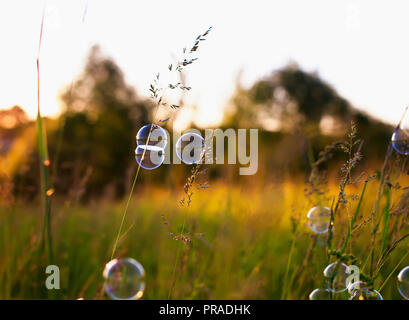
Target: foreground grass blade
(44, 162)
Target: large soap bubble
(319, 219)
(124, 279)
(190, 148)
(151, 141)
(336, 275)
(403, 282)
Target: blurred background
(298, 71)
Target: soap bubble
(356, 286)
(400, 141)
(319, 219)
(158, 137)
(190, 148)
(320, 294)
(336, 275)
(149, 157)
(124, 279)
(403, 282)
(361, 291)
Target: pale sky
(360, 47)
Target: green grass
(239, 249)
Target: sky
(359, 47)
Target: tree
(305, 113)
(102, 116)
(293, 98)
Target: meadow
(241, 240)
(231, 237)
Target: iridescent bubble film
(157, 138)
(149, 157)
(320, 294)
(190, 148)
(400, 140)
(336, 276)
(319, 219)
(124, 279)
(403, 282)
(361, 291)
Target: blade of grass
(386, 216)
(348, 236)
(284, 293)
(393, 271)
(44, 160)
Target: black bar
(182, 309)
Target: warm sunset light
(211, 158)
(353, 43)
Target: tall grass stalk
(393, 271)
(375, 223)
(44, 161)
(131, 193)
(284, 293)
(354, 217)
(157, 95)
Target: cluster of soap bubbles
(336, 274)
(124, 279)
(151, 141)
(337, 280)
(319, 219)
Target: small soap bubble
(319, 219)
(400, 140)
(336, 275)
(124, 279)
(320, 294)
(356, 286)
(157, 138)
(149, 157)
(361, 291)
(190, 148)
(403, 282)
